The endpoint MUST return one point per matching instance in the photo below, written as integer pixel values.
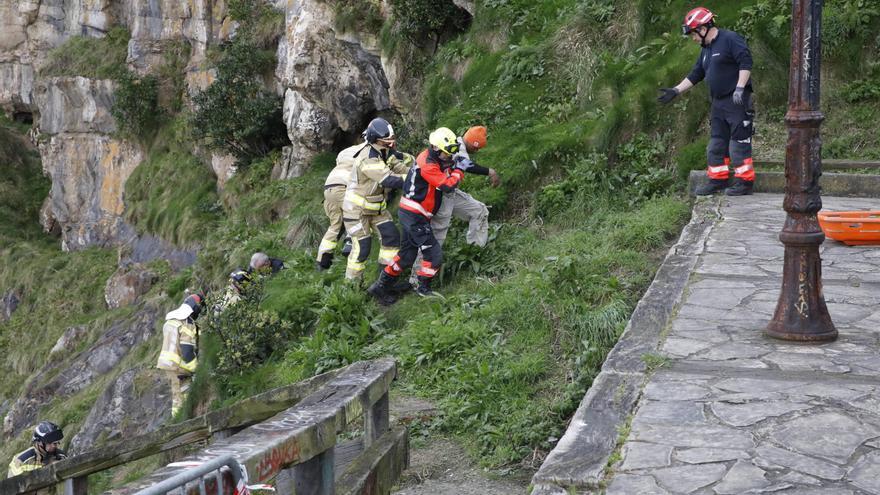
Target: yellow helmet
(445, 140)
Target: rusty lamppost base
(801, 314)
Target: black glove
(738, 95)
(667, 95)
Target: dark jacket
(720, 63)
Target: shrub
(521, 64)
(236, 115)
(136, 105)
(415, 18)
(248, 334)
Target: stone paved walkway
(734, 412)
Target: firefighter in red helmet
(725, 62)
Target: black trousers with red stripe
(417, 236)
(732, 127)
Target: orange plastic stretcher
(854, 228)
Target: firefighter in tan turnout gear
(334, 194)
(44, 451)
(377, 169)
(179, 348)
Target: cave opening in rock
(23, 117)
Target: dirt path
(440, 466)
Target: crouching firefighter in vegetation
(178, 358)
(44, 451)
(725, 62)
(334, 194)
(435, 174)
(378, 168)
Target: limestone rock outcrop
(8, 304)
(69, 340)
(127, 284)
(332, 85)
(88, 173)
(60, 378)
(137, 402)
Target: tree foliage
(248, 334)
(236, 114)
(419, 19)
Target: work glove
(738, 95)
(463, 164)
(667, 95)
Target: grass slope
(592, 170)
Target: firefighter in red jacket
(434, 174)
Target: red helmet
(700, 16)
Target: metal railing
(215, 468)
(299, 450)
(289, 431)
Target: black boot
(740, 188)
(381, 289)
(325, 262)
(711, 187)
(402, 286)
(424, 288)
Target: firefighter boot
(711, 187)
(402, 286)
(325, 262)
(381, 289)
(424, 288)
(740, 188)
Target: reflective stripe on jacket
(31, 460)
(426, 183)
(365, 192)
(178, 347)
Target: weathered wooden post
(376, 420)
(316, 475)
(76, 486)
(801, 313)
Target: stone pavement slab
(734, 412)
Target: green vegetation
(236, 114)
(95, 58)
(592, 171)
(172, 194)
(143, 103)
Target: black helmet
(47, 432)
(379, 128)
(195, 301)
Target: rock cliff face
(87, 166)
(332, 85)
(137, 402)
(333, 82)
(61, 378)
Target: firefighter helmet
(47, 432)
(378, 128)
(700, 16)
(444, 140)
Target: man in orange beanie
(462, 205)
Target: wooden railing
(289, 433)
